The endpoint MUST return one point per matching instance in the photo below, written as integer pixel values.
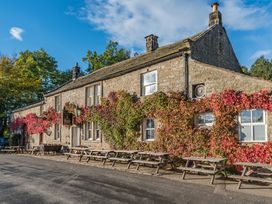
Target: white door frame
(71, 135)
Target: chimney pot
(215, 6)
(151, 43)
(215, 17)
(75, 72)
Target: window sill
(257, 141)
(93, 141)
(149, 140)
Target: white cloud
(129, 21)
(16, 33)
(260, 53)
(239, 16)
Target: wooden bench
(103, 155)
(210, 166)
(12, 149)
(77, 152)
(253, 172)
(158, 160)
(123, 156)
(8, 150)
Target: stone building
(198, 65)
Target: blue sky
(66, 29)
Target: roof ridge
(131, 62)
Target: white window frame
(89, 96)
(57, 134)
(58, 103)
(97, 95)
(88, 129)
(205, 124)
(145, 128)
(92, 95)
(97, 137)
(252, 124)
(144, 85)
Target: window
(149, 83)
(97, 132)
(149, 129)
(205, 119)
(89, 96)
(97, 94)
(57, 104)
(93, 95)
(57, 131)
(253, 125)
(92, 131)
(89, 131)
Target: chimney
(215, 17)
(75, 72)
(151, 43)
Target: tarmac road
(31, 180)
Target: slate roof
(132, 64)
(29, 106)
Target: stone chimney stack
(215, 17)
(151, 43)
(75, 72)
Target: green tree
(111, 55)
(262, 67)
(245, 70)
(25, 78)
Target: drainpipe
(186, 52)
(186, 75)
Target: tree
(25, 78)
(262, 68)
(245, 70)
(111, 55)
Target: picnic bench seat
(156, 159)
(205, 165)
(123, 156)
(255, 174)
(76, 152)
(197, 170)
(251, 178)
(8, 150)
(98, 154)
(146, 162)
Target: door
(41, 139)
(75, 137)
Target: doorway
(75, 136)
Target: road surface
(31, 180)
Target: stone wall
(32, 139)
(170, 78)
(217, 80)
(215, 48)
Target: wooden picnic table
(253, 172)
(77, 152)
(13, 149)
(122, 156)
(98, 154)
(205, 165)
(156, 159)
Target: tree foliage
(111, 55)
(262, 68)
(25, 78)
